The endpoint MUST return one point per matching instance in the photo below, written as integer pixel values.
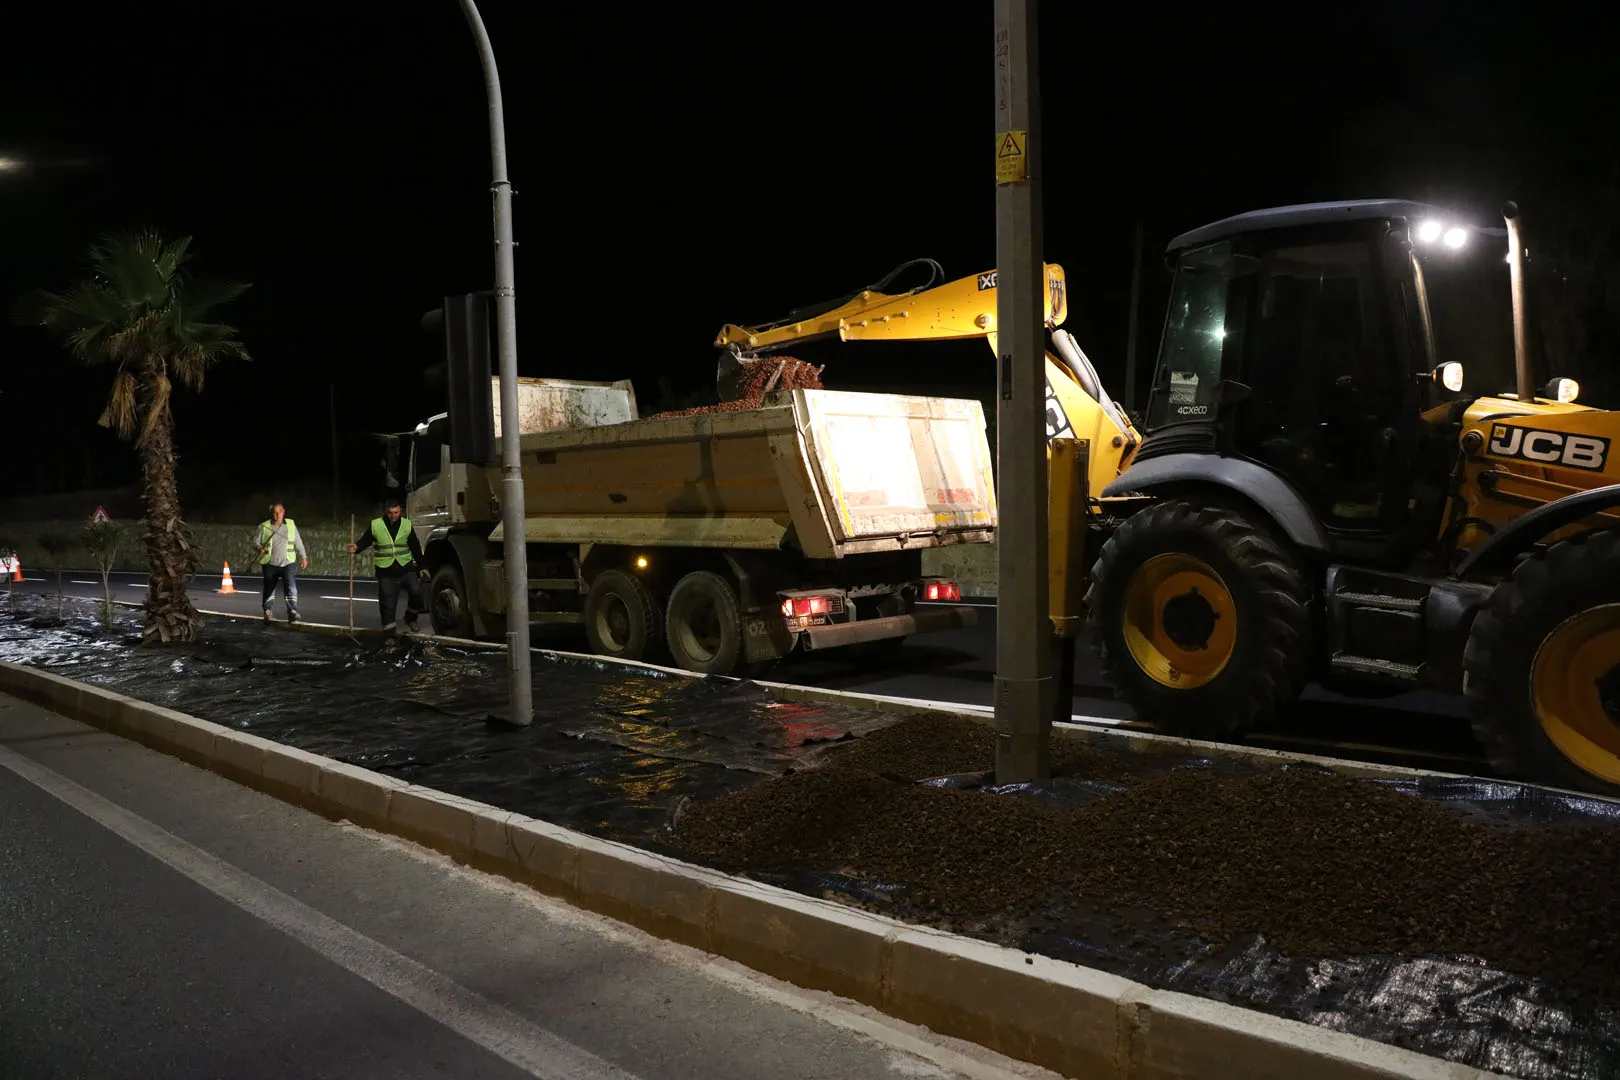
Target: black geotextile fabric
(614, 751)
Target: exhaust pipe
(1521, 348)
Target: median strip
(1073, 1019)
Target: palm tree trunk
(170, 557)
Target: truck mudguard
(1496, 555)
(1270, 492)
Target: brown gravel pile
(755, 377)
(1322, 865)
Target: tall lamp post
(520, 688)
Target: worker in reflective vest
(398, 562)
(281, 554)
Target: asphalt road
(157, 920)
(958, 666)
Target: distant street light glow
(8, 164)
(1429, 232)
(1456, 237)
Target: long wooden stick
(351, 573)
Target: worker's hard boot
(292, 616)
(267, 617)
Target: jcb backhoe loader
(1348, 474)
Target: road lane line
(358, 599)
(471, 1015)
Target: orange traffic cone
(226, 586)
(16, 569)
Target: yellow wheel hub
(1574, 672)
(1180, 622)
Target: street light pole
(1024, 686)
(520, 689)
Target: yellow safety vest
(388, 550)
(267, 529)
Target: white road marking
(358, 599)
(526, 1045)
(956, 1057)
(76, 581)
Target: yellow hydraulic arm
(1089, 438)
(965, 308)
(1077, 406)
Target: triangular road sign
(99, 515)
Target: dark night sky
(685, 166)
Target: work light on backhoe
(1562, 390)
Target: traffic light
(465, 324)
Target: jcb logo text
(1550, 447)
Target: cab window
(1192, 352)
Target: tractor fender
(1270, 492)
(1496, 555)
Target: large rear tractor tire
(703, 624)
(1542, 668)
(1201, 619)
(622, 618)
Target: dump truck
(720, 541)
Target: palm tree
(138, 312)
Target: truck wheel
(1542, 668)
(447, 603)
(703, 624)
(622, 619)
(1200, 618)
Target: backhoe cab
(1350, 474)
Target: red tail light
(942, 590)
(800, 606)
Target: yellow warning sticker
(1012, 161)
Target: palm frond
(119, 415)
(139, 265)
(156, 408)
(139, 338)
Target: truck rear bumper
(892, 626)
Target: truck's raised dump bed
(823, 472)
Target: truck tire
(622, 619)
(703, 624)
(1541, 670)
(447, 603)
(1201, 619)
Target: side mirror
(1449, 375)
(1561, 390)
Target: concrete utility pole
(519, 685)
(1024, 684)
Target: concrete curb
(1075, 1020)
